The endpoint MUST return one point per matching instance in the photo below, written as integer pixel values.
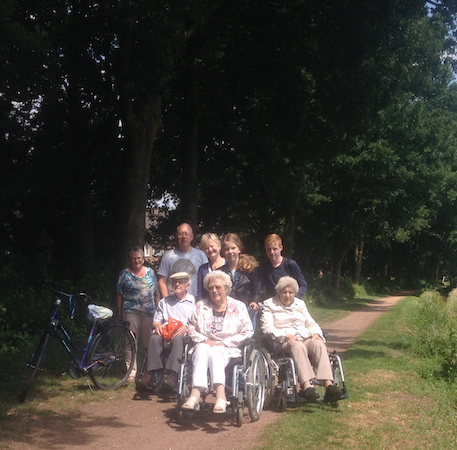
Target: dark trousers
(155, 348)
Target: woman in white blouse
(218, 326)
(288, 320)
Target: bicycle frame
(107, 357)
(57, 329)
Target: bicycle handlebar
(71, 297)
(64, 294)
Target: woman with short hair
(218, 326)
(211, 245)
(287, 317)
(137, 297)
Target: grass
(389, 405)
(337, 310)
(52, 387)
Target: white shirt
(177, 309)
(281, 320)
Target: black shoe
(332, 394)
(310, 395)
(170, 381)
(147, 380)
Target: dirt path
(142, 424)
(344, 332)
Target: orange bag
(170, 328)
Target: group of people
(211, 295)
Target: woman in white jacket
(287, 318)
(218, 326)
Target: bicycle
(109, 353)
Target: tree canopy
(331, 123)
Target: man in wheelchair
(295, 332)
(170, 327)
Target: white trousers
(213, 358)
(139, 325)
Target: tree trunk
(358, 259)
(141, 122)
(190, 192)
(289, 227)
(78, 119)
(336, 273)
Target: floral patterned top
(138, 293)
(236, 327)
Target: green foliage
(321, 292)
(451, 305)
(360, 290)
(435, 338)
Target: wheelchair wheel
(255, 386)
(108, 357)
(337, 380)
(270, 378)
(239, 415)
(184, 390)
(138, 386)
(282, 402)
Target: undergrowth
(434, 325)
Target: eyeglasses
(181, 282)
(183, 234)
(217, 287)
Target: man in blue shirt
(277, 267)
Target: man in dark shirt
(278, 266)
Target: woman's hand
(254, 306)
(290, 339)
(212, 343)
(317, 337)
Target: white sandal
(220, 406)
(191, 403)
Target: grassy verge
(53, 391)
(337, 310)
(390, 406)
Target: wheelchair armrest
(270, 337)
(269, 341)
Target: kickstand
(88, 384)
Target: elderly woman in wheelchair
(287, 321)
(218, 327)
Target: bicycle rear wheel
(36, 361)
(107, 356)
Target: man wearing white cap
(179, 306)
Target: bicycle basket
(96, 312)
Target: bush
(435, 338)
(360, 291)
(451, 304)
(321, 292)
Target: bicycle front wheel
(36, 361)
(111, 357)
